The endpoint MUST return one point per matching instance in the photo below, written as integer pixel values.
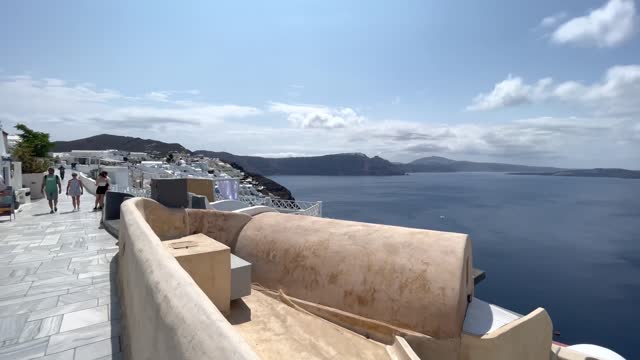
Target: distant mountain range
(441, 164)
(610, 173)
(336, 164)
(125, 143)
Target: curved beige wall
(528, 338)
(165, 314)
(414, 279)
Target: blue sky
(542, 82)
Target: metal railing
(309, 208)
(131, 190)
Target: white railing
(309, 208)
(131, 190)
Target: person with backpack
(51, 187)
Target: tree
(30, 164)
(37, 141)
(33, 146)
(170, 158)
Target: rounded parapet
(416, 279)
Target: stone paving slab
(58, 297)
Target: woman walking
(102, 183)
(75, 190)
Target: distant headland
(347, 164)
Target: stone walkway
(58, 295)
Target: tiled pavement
(58, 295)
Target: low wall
(33, 182)
(88, 183)
(165, 314)
(415, 280)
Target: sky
(538, 82)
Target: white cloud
(617, 92)
(72, 111)
(75, 109)
(510, 92)
(25, 95)
(318, 117)
(281, 154)
(606, 26)
(552, 20)
(161, 96)
(166, 96)
(145, 116)
(570, 142)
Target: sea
(568, 244)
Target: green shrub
(32, 150)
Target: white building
(5, 159)
(137, 156)
(11, 171)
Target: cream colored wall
(414, 279)
(165, 314)
(223, 226)
(528, 338)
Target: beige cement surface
(277, 331)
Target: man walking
(51, 187)
(61, 168)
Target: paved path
(58, 295)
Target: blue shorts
(53, 195)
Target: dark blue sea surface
(568, 244)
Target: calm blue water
(570, 245)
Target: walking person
(61, 168)
(51, 187)
(102, 183)
(75, 190)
